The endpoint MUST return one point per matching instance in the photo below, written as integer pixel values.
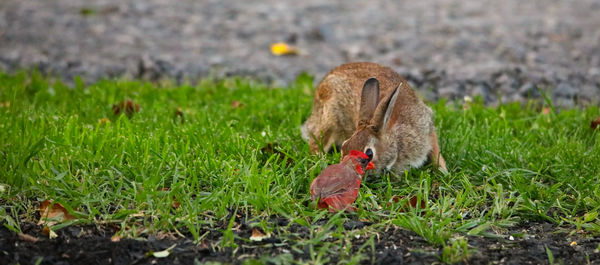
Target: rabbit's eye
(369, 153)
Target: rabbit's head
(373, 122)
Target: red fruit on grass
(336, 188)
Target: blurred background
(499, 50)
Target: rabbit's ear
(368, 100)
(382, 114)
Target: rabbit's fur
(365, 105)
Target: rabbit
(371, 108)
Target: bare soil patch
(93, 245)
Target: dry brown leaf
(49, 232)
(28, 238)
(126, 106)
(203, 245)
(52, 213)
(138, 214)
(115, 238)
(412, 202)
(236, 104)
(257, 235)
(161, 235)
(179, 114)
(176, 203)
(546, 111)
(595, 123)
(103, 121)
(46, 230)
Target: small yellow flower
(574, 243)
(281, 48)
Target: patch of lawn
(235, 150)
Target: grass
(507, 164)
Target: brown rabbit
(378, 113)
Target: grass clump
(193, 156)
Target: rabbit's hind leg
(436, 155)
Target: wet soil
(93, 245)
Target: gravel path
(498, 49)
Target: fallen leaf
(138, 214)
(257, 235)
(165, 236)
(49, 232)
(115, 238)
(595, 123)
(179, 114)
(46, 230)
(412, 202)
(546, 111)
(176, 203)
(28, 238)
(236, 104)
(282, 48)
(203, 245)
(126, 106)
(161, 254)
(52, 234)
(53, 213)
(104, 121)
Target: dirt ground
(500, 50)
(93, 245)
